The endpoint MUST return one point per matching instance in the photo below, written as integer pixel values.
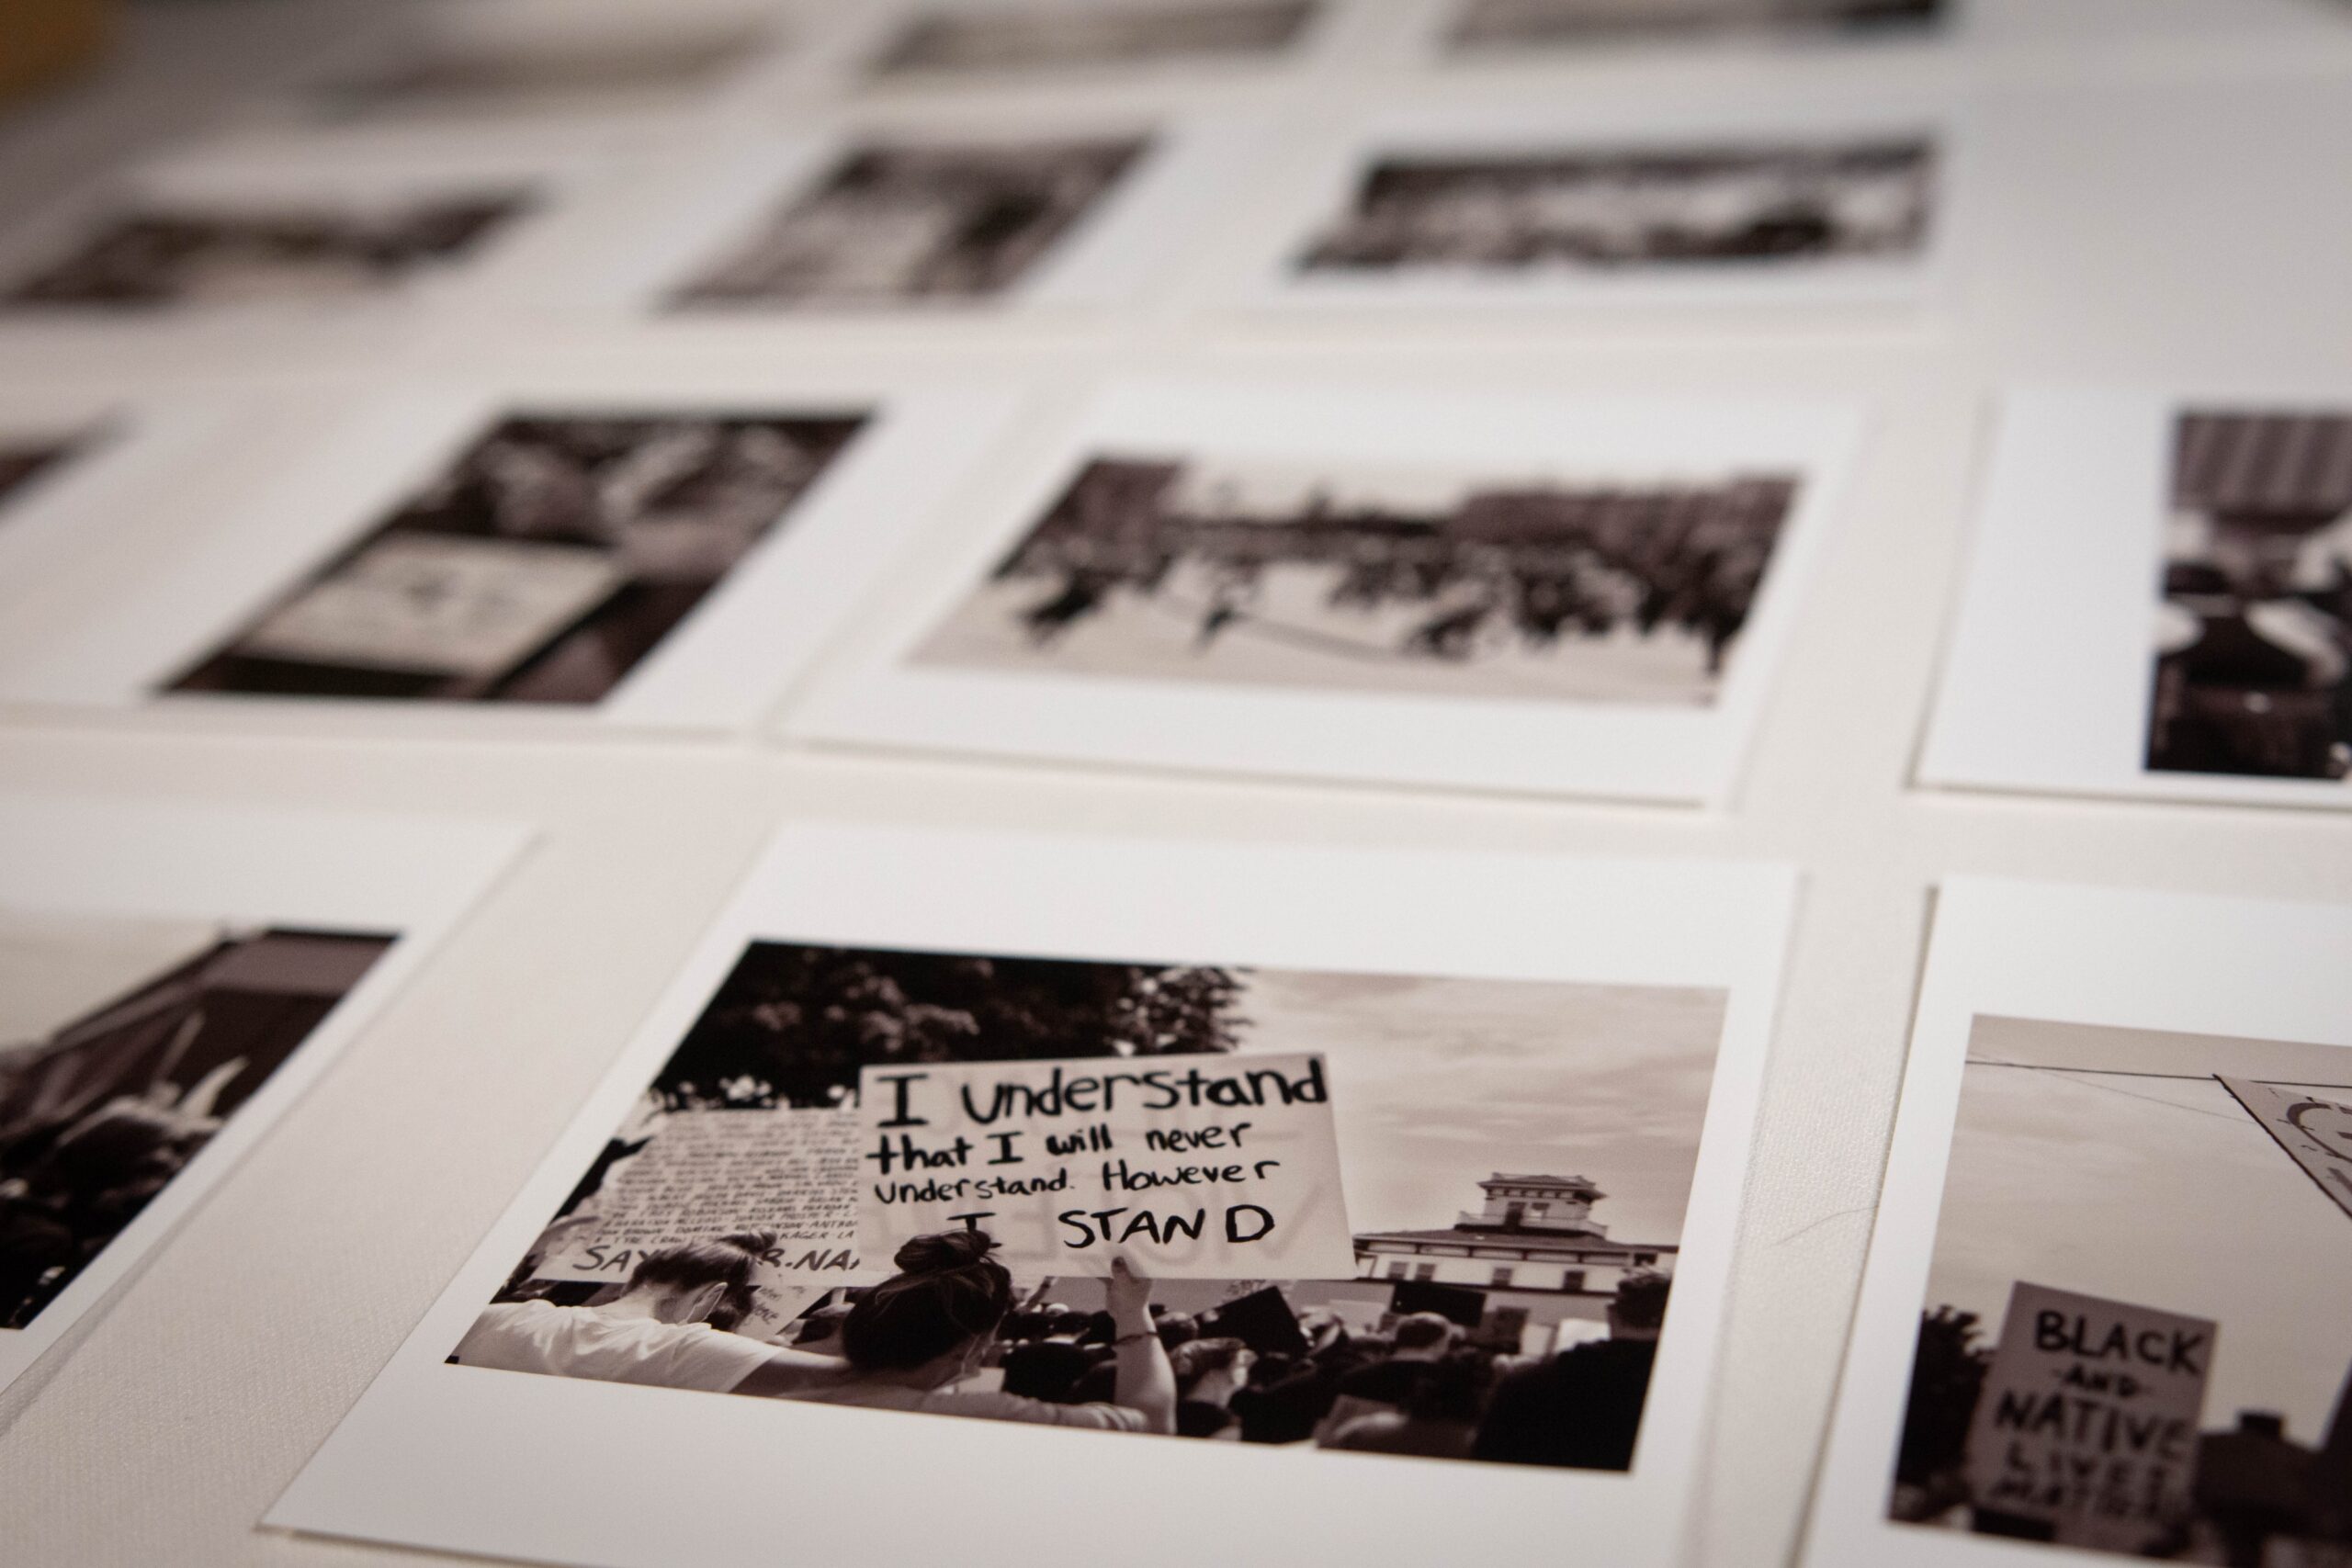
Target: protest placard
(2088, 1420)
(1208, 1167)
(2316, 1133)
(703, 1173)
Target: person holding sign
(913, 1338)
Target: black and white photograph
(2133, 1340)
(1437, 581)
(1043, 1191)
(1058, 36)
(1659, 209)
(1506, 25)
(2253, 643)
(155, 254)
(125, 1046)
(893, 223)
(542, 562)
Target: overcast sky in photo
(1438, 1084)
(2165, 1192)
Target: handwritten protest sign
(2087, 1421)
(2316, 1133)
(1203, 1168)
(791, 1174)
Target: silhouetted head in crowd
(1209, 1370)
(698, 1282)
(1178, 1329)
(934, 1315)
(1068, 1323)
(1044, 1369)
(1423, 1337)
(1639, 1310)
(1453, 1390)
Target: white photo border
(472, 1460)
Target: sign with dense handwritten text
(787, 1174)
(2087, 1421)
(2315, 1132)
(1205, 1168)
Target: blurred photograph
(154, 253)
(124, 1047)
(900, 224)
(542, 564)
(1438, 580)
(2253, 643)
(1661, 209)
(1515, 24)
(25, 459)
(2133, 1340)
(1063, 37)
(1374, 1213)
(598, 66)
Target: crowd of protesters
(947, 1335)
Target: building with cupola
(1532, 1245)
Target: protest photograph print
(2159, 602)
(541, 564)
(170, 979)
(1511, 25)
(124, 1047)
(905, 221)
(1372, 582)
(1441, 583)
(1251, 1205)
(1612, 211)
(2102, 1315)
(1056, 36)
(2254, 661)
(2133, 1339)
(1421, 1208)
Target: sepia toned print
(2254, 647)
(153, 254)
(1429, 582)
(1088, 1194)
(1505, 24)
(898, 224)
(2133, 1340)
(123, 1049)
(1617, 211)
(547, 562)
(1065, 38)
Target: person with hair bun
(912, 1338)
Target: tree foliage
(792, 1024)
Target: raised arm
(1146, 1383)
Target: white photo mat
(2174, 963)
(559, 1470)
(871, 696)
(412, 878)
(722, 667)
(1310, 192)
(2048, 672)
